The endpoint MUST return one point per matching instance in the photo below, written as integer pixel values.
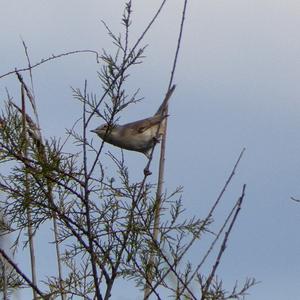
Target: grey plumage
(140, 135)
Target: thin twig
(87, 204)
(4, 273)
(224, 244)
(296, 200)
(206, 255)
(129, 56)
(31, 77)
(36, 130)
(207, 218)
(18, 270)
(225, 186)
(42, 61)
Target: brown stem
(87, 204)
(30, 283)
(42, 61)
(27, 199)
(223, 246)
(147, 291)
(38, 139)
(205, 221)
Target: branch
(129, 56)
(42, 61)
(224, 245)
(86, 203)
(147, 291)
(196, 271)
(294, 199)
(33, 286)
(206, 219)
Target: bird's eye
(105, 127)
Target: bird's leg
(147, 172)
(156, 139)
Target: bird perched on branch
(140, 136)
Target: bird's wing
(162, 107)
(145, 124)
(142, 125)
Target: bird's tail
(163, 106)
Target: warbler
(141, 135)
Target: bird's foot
(156, 140)
(147, 172)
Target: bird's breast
(133, 140)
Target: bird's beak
(94, 130)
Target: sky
(237, 86)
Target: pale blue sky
(237, 86)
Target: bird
(141, 135)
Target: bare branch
(224, 245)
(53, 57)
(18, 270)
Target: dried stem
(18, 270)
(53, 57)
(162, 157)
(27, 197)
(223, 245)
(36, 131)
(87, 204)
(210, 249)
(130, 54)
(205, 221)
(4, 279)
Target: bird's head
(103, 130)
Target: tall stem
(4, 280)
(27, 199)
(39, 142)
(58, 256)
(149, 276)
